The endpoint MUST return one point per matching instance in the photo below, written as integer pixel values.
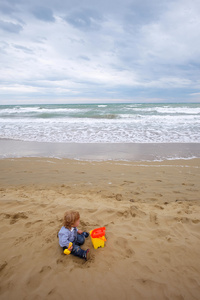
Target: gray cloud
(146, 12)
(85, 19)
(6, 8)
(10, 27)
(24, 49)
(43, 13)
(84, 57)
(124, 48)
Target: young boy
(69, 233)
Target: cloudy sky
(64, 51)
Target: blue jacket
(66, 236)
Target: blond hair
(70, 217)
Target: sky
(89, 51)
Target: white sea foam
(134, 123)
(167, 110)
(37, 110)
(97, 132)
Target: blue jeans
(80, 240)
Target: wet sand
(101, 151)
(151, 211)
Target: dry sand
(152, 216)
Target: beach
(100, 151)
(151, 212)
(100, 114)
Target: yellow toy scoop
(67, 251)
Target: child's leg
(86, 234)
(77, 251)
(81, 238)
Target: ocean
(101, 123)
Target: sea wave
(165, 110)
(115, 123)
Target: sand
(151, 211)
(99, 151)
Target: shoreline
(100, 151)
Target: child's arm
(86, 234)
(64, 239)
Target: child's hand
(70, 249)
(80, 231)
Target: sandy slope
(152, 216)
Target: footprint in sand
(136, 212)
(43, 205)
(159, 206)
(119, 197)
(195, 221)
(188, 184)
(16, 217)
(132, 200)
(23, 239)
(29, 224)
(52, 292)
(59, 261)
(182, 219)
(153, 218)
(123, 246)
(124, 213)
(45, 269)
(158, 195)
(83, 223)
(3, 265)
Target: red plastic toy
(98, 233)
